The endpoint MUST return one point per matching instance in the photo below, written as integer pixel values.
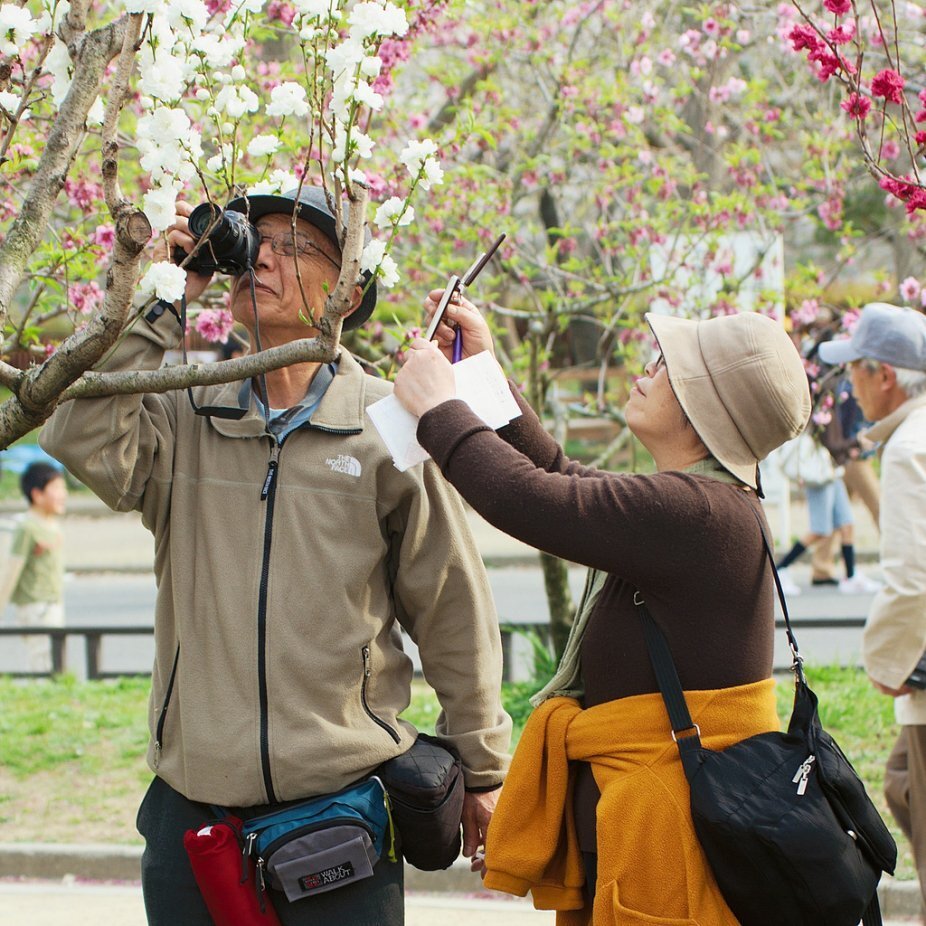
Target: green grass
(72, 754)
(50, 725)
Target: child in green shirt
(33, 575)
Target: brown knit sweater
(689, 543)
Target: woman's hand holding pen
(461, 312)
(426, 378)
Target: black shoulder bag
(783, 818)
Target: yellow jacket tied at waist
(651, 868)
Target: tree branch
(128, 382)
(9, 376)
(342, 296)
(96, 52)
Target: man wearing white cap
(887, 358)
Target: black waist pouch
(425, 786)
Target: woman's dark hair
(36, 476)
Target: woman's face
(652, 411)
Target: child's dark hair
(37, 476)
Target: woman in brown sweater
(722, 394)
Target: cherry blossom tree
(108, 116)
(628, 150)
(862, 54)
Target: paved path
(96, 538)
(80, 904)
(39, 903)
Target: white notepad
(480, 383)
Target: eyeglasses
(290, 244)
(652, 368)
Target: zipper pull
(271, 471)
(246, 849)
(261, 886)
(157, 754)
(803, 773)
(367, 671)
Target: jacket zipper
(367, 672)
(159, 732)
(268, 494)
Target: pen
(454, 286)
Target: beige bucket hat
(740, 381)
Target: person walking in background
(841, 436)
(594, 814)
(807, 462)
(886, 354)
(34, 572)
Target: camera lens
(231, 246)
(202, 217)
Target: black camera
(230, 247)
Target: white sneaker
(859, 584)
(788, 585)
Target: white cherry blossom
(163, 279)
(159, 205)
(236, 101)
(96, 113)
(388, 273)
(16, 28)
(365, 94)
(414, 154)
(58, 64)
(387, 213)
(315, 8)
(263, 145)
(288, 99)
(344, 57)
(433, 174)
(372, 19)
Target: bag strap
(687, 735)
(797, 660)
(671, 689)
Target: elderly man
(288, 552)
(887, 358)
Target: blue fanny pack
(323, 843)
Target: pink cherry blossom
(839, 7)
(890, 150)
(104, 236)
(856, 105)
(910, 289)
(802, 36)
(889, 84)
(85, 297)
(841, 35)
(214, 325)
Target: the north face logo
(344, 464)
(332, 875)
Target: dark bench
(93, 637)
